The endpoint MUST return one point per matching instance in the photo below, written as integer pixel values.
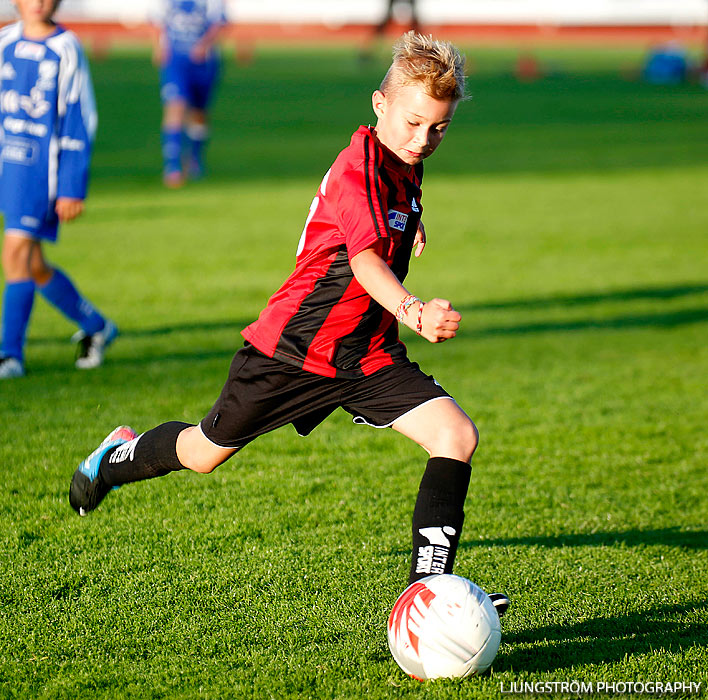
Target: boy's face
(36, 11)
(411, 123)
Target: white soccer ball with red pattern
(443, 626)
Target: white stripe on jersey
(74, 82)
(9, 34)
(53, 167)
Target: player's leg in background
(202, 82)
(197, 136)
(366, 52)
(173, 117)
(414, 23)
(60, 291)
(18, 297)
(386, 19)
(96, 332)
(450, 438)
(174, 108)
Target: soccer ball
(443, 626)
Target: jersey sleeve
(360, 211)
(76, 123)
(8, 34)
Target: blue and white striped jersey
(185, 22)
(48, 121)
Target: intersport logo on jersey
(397, 220)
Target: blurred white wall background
(336, 12)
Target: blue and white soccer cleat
(90, 349)
(87, 487)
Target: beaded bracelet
(419, 325)
(405, 304)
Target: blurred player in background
(399, 10)
(49, 119)
(398, 13)
(189, 64)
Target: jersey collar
(393, 164)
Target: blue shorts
(183, 79)
(46, 229)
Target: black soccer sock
(438, 517)
(152, 454)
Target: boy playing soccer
(189, 67)
(328, 337)
(48, 124)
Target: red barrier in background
(100, 36)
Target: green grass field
(567, 221)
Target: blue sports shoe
(87, 487)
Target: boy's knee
(197, 461)
(468, 437)
(40, 272)
(174, 114)
(200, 466)
(458, 440)
(15, 258)
(195, 452)
(474, 437)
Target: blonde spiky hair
(437, 65)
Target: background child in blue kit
(49, 120)
(189, 68)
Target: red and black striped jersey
(321, 319)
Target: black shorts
(262, 394)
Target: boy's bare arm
(440, 320)
(159, 46)
(201, 49)
(68, 208)
(420, 240)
